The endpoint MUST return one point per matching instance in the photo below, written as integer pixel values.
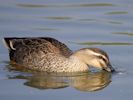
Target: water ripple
(116, 12)
(124, 33)
(102, 21)
(106, 43)
(67, 5)
(32, 5)
(58, 18)
(96, 5)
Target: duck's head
(94, 57)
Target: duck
(47, 54)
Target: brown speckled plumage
(48, 54)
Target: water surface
(103, 24)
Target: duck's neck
(76, 65)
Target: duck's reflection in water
(91, 81)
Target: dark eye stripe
(103, 59)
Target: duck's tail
(8, 43)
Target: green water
(105, 24)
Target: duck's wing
(61, 46)
(45, 44)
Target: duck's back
(35, 51)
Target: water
(104, 24)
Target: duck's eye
(102, 58)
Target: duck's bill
(109, 68)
